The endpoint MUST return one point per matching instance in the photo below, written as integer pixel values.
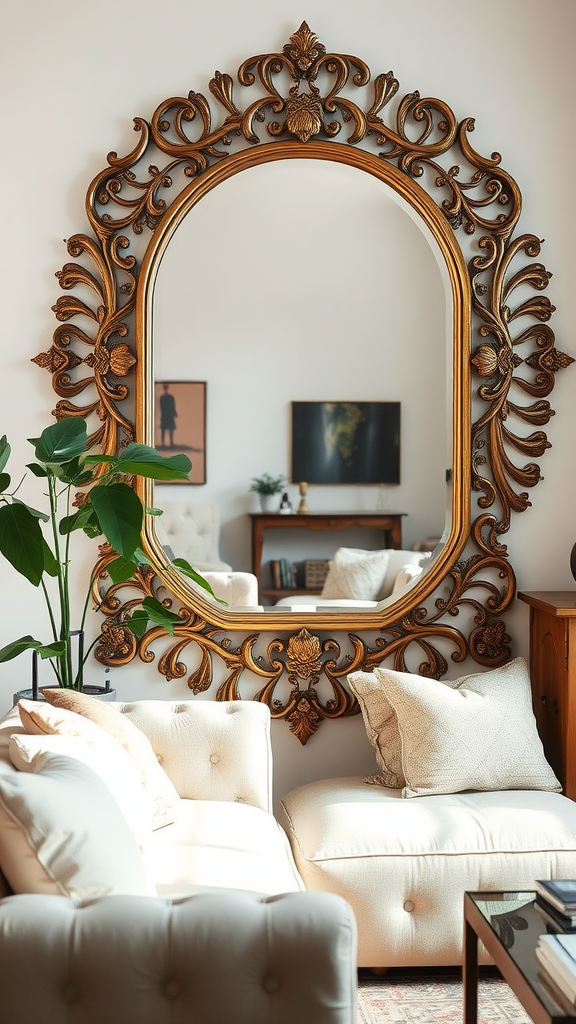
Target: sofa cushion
(404, 865)
(474, 733)
(107, 759)
(62, 832)
(161, 791)
(356, 574)
(221, 844)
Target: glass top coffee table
(509, 924)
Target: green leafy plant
(267, 484)
(110, 507)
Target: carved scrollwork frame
(472, 207)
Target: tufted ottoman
(403, 865)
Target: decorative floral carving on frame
(300, 94)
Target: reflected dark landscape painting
(346, 442)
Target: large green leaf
(4, 451)
(51, 566)
(4, 482)
(75, 473)
(21, 541)
(33, 511)
(37, 469)
(121, 569)
(120, 514)
(186, 569)
(137, 622)
(160, 615)
(85, 516)
(140, 460)
(62, 441)
(28, 643)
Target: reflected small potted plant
(108, 508)
(267, 487)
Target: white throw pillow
(356, 574)
(107, 759)
(477, 732)
(58, 717)
(62, 833)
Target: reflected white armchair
(191, 530)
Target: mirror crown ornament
(472, 206)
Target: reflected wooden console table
(389, 522)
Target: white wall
(75, 74)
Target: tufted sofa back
(211, 750)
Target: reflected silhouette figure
(168, 417)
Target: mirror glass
(307, 280)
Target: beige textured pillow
(107, 759)
(65, 715)
(356, 574)
(476, 733)
(62, 832)
(381, 726)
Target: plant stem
(65, 659)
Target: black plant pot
(101, 692)
(92, 691)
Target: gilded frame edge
(451, 252)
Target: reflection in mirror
(306, 280)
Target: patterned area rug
(434, 996)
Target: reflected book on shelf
(283, 574)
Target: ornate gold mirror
(303, 104)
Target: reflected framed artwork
(180, 423)
(346, 442)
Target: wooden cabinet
(553, 674)
(389, 522)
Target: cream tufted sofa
(231, 935)
(475, 806)
(404, 865)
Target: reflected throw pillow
(473, 733)
(407, 574)
(356, 574)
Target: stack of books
(556, 901)
(556, 956)
(283, 574)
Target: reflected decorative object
(300, 100)
(303, 505)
